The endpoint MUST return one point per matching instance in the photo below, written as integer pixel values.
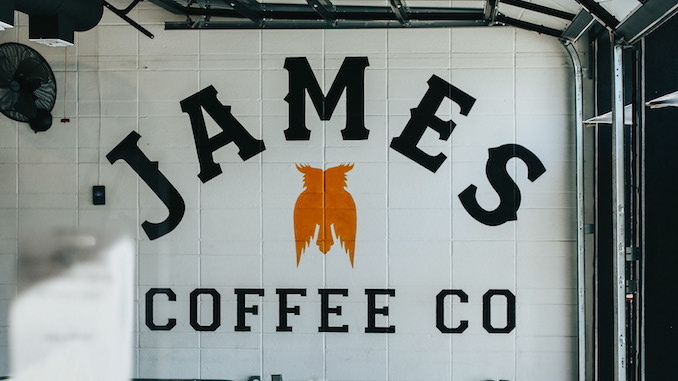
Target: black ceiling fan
(27, 86)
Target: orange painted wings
(324, 204)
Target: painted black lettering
(510, 311)
(440, 311)
(149, 309)
(351, 76)
(372, 311)
(129, 151)
(216, 309)
(284, 310)
(232, 131)
(503, 184)
(326, 310)
(424, 117)
(254, 310)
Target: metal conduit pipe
(618, 218)
(579, 142)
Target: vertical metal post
(641, 123)
(579, 138)
(618, 223)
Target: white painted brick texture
(413, 234)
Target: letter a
(233, 131)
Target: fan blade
(25, 105)
(5, 72)
(45, 96)
(27, 83)
(7, 99)
(8, 65)
(5, 79)
(32, 72)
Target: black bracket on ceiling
(122, 13)
(248, 8)
(540, 9)
(325, 9)
(400, 10)
(189, 10)
(529, 26)
(490, 11)
(580, 24)
(597, 11)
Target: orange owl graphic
(325, 203)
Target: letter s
(503, 184)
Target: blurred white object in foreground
(73, 317)
(668, 100)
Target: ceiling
(566, 19)
(550, 17)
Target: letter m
(351, 76)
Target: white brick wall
(413, 234)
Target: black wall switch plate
(99, 195)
